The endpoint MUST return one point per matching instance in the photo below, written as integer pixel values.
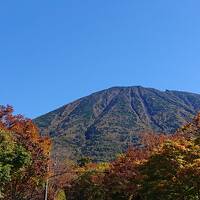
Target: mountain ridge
(103, 121)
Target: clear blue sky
(53, 52)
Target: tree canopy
(24, 157)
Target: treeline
(162, 167)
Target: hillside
(103, 124)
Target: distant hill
(103, 124)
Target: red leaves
(26, 134)
(163, 167)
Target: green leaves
(24, 157)
(13, 159)
(5, 173)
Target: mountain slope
(104, 123)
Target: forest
(162, 167)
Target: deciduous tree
(29, 184)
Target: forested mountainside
(104, 123)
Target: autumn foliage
(28, 184)
(161, 168)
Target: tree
(118, 179)
(89, 183)
(29, 184)
(121, 181)
(13, 159)
(62, 176)
(172, 172)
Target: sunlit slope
(102, 124)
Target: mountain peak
(101, 124)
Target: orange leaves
(26, 134)
(191, 129)
(176, 164)
(163, 167)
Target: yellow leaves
(174, 179)
(161, 184)
(46, 145)
(96, 167)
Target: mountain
(103, 124)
